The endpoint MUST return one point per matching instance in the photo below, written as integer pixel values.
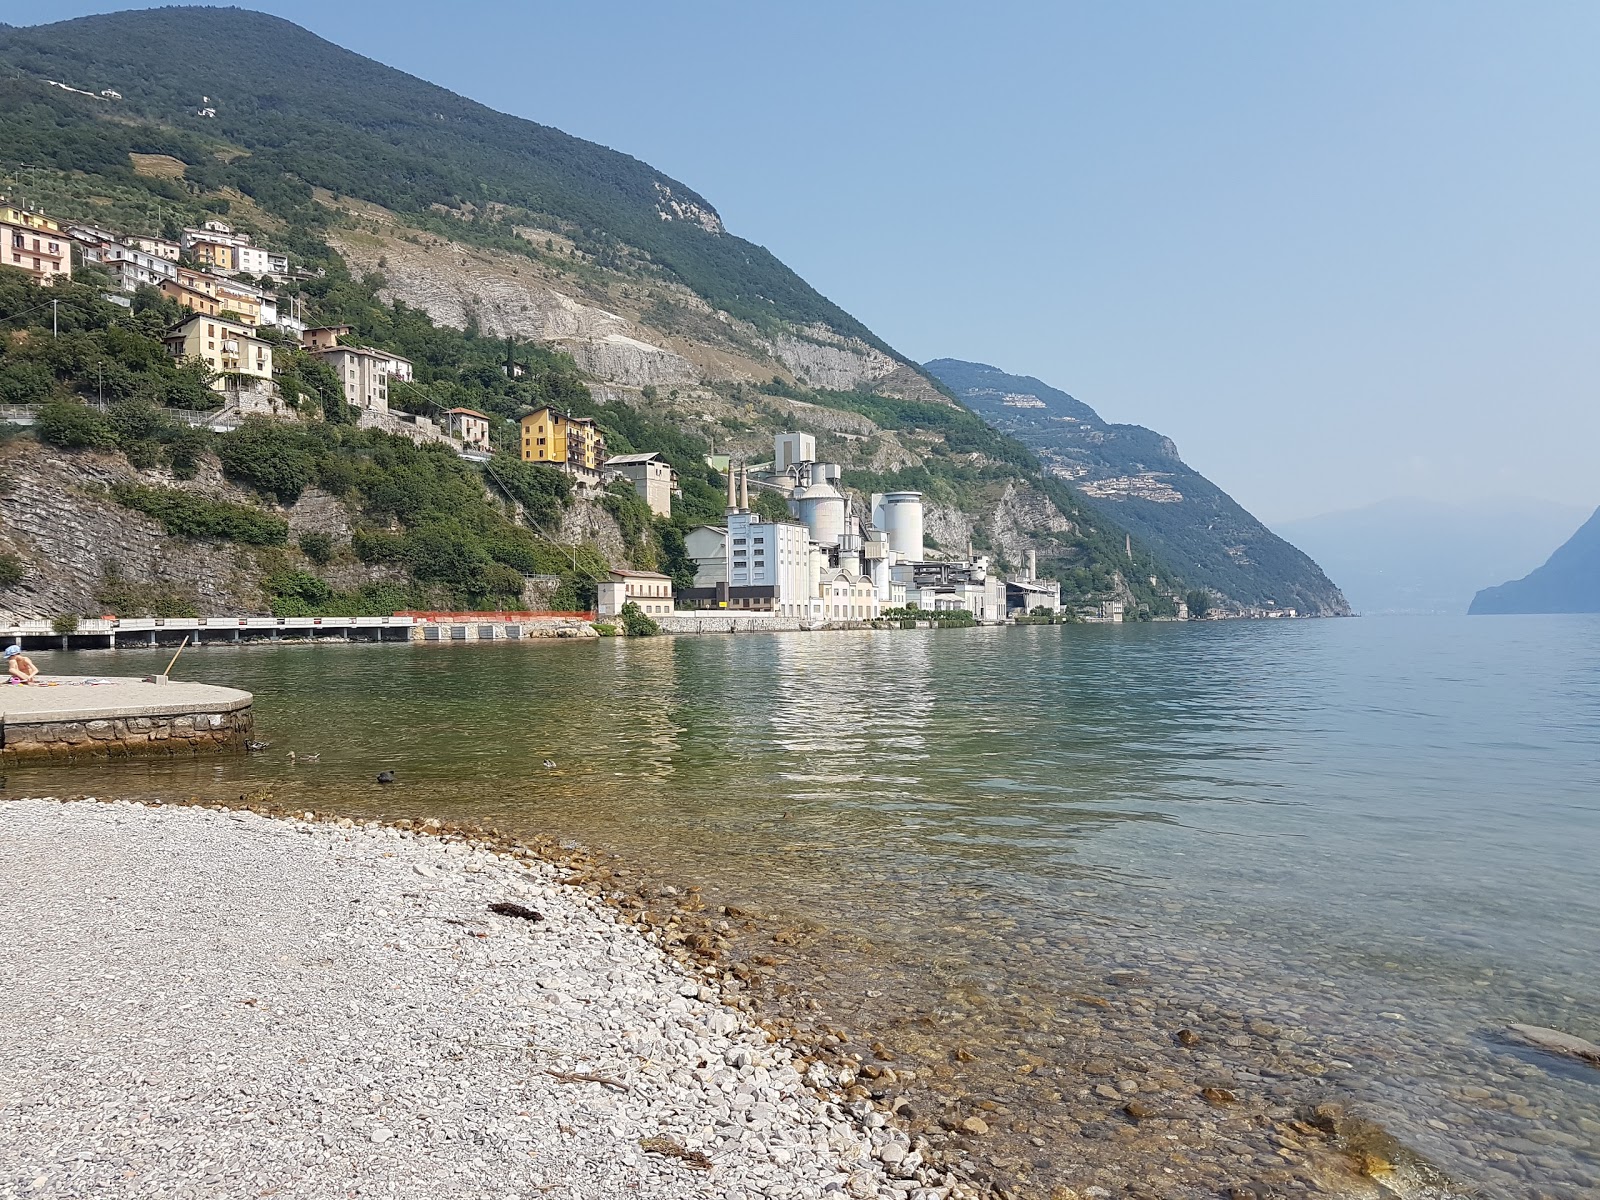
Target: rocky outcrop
(71, 536)
(620, 359)
(81, 550)
(1021, 515)
(820, 358)
(511, 297)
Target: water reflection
(1320, 821)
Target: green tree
(638, 623)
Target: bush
(64, 624)
(184, 514)
(11, 570)
(637, 623)
(605, 630)
(25, 383)
(270, 457)
(75, 426)
(318, 547)
(184, 451)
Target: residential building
(469, 425)
(365, 372)
(650, 590)
(252, 261)
(212, 254)
(277, 265)
(255, 304)
(362, 371)
(399, 369)
(194, 298)
(323, 337)
(133, 267)
(91, 237)
(651, 476)
(160, 247)
(561, 440)
(34, 243)
(227, 347)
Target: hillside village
(811, 554)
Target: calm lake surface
(1377, 840)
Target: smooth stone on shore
(282, 1009)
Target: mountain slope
(1568, 582)
(384, 188)
(1419, 556)
(309, 109)
(1134, 477)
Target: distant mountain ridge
(1135, 477)
(1568, 582)
(1406, 555)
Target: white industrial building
(835, 562)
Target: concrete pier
(71, 719)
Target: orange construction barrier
(448, 617)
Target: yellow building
(226, 347)
(561, 440)
(34, 243)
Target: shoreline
(693, 1096)
(855, 1086)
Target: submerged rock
(1557, 1042)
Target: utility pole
(55, 323)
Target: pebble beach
(207, 1002)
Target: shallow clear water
(1380, 836)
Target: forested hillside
(1134, 477)
(459, 237)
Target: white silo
(899, 515)
(821, 507)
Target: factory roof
(626, 459)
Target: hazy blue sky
(1338, 252)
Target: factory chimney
(744, 488)
(1033, 565)
(733, 502)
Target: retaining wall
(124, 737)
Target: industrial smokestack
(733, 502)
(1033, 565)
(744, 488)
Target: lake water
(1339, 855)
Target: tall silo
(821, 507)
(899, 515)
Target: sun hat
(10, 650)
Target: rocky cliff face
(76, 542)
(627, 329)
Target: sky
(1337, 252)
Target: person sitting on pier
(19, 666)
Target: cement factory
(833, 561)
